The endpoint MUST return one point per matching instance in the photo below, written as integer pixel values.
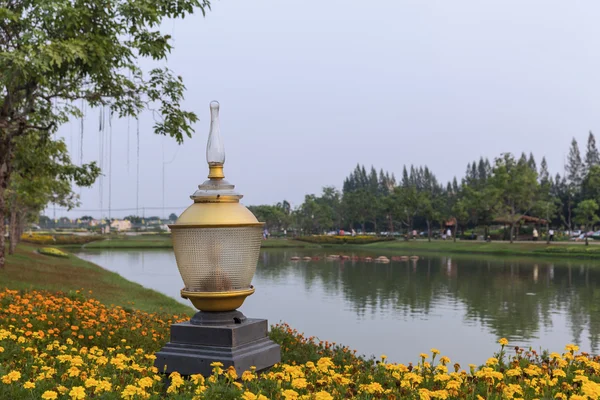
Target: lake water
(460, 305)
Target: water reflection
(459, 304)
(512, 298)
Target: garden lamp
(217, 241)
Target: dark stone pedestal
(194, 345)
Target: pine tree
(544, 174)
(455, 188)
(482, 171)
(574, 167)
(531, 162)
(405, 177)
(591, 156)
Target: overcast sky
(308, 89)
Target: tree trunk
(547, 233)
(455, 231)
(586, 236)
(569, 214)
(13, 228)
(2, 205)
(428, 231)
(5, 154)
(20, 224)
(391, 226)
(512, 230)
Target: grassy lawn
(164, 242)
(28, 270)
(568, 250)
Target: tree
(591, 184)
(56, 52)
(461, 214)
(173, 217)
(592, 157)
(586, 214)
(407, 201)
(42, 173)
(516, 185)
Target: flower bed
(66, 346)
(327, 239)
(59, 239)
(50, 251)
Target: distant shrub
(58, 239)
(326, 239)
(50, 251)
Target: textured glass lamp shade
(215, 151)
(217, 259)
(216, 242)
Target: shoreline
(555, 250)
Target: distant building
(121, 225)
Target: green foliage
(57, 54)
(327, 239)
(586, 214)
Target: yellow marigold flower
(512, 389)
(77, 393)
(146, 382)
(299, 383)
(323, 395)
(49, 395)
(591, 389)
(571, 348)
(561, 396)
(1, 349)
(491, 361)
(435, 351)
(62, 389)
(560, 373)
(503, 341)
(216, 364)
(248, 376)
(489, 373)
(249, 396)
(423, 356)
(578, 397)
(232, 373)
(383, 357)
(424, 394)
(514, 372)
(131, 391)
(371, 388)
(11, 377)
(29, 385)
(440, 394)
(444, 360)
(324, 363)
(290, 394)
(90, 382)
(238, 385)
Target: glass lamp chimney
(215, 151)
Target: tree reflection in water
(513, 298)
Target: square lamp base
(193, 347)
